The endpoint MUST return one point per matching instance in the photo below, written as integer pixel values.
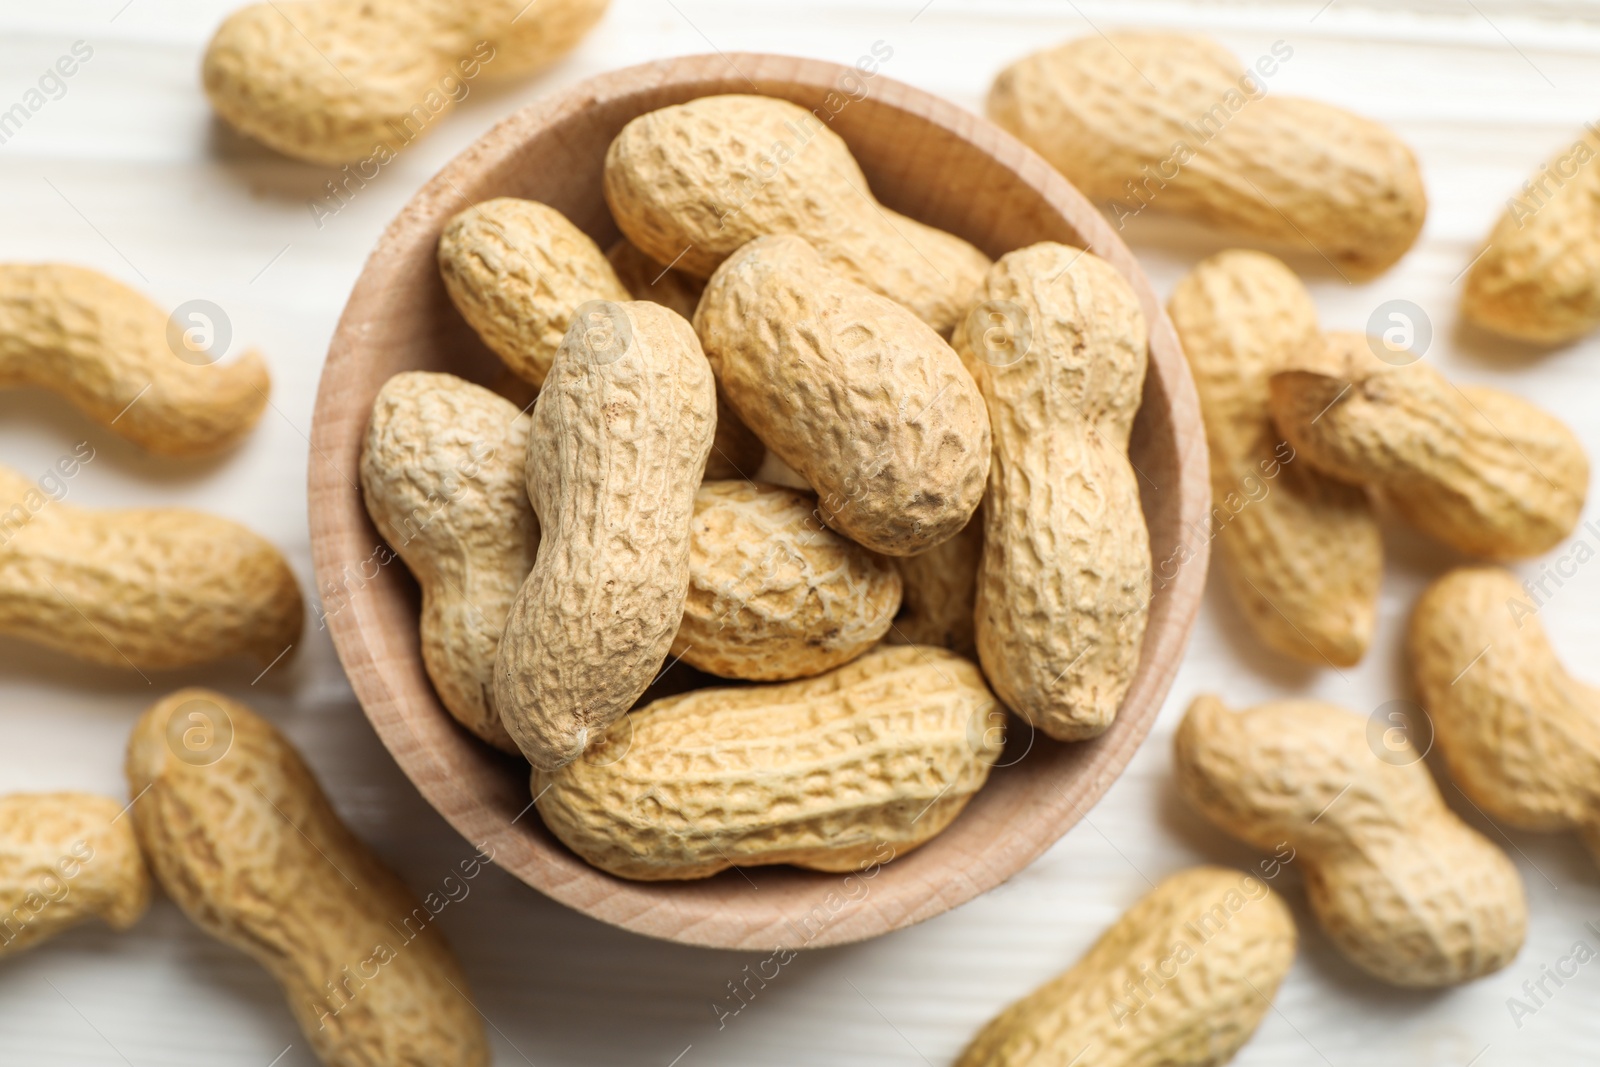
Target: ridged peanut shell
(1403, 887)
(442, 475)
(64, 858)
(1174, 121)
(1300, 551)
(870, 406)
(692, 183)
(940, 593)
(774, 594)
(147, 588)
(617, 449)
(1538, 276)
(1486, 472)
(826, 773)
(1519, 734)
(1063, 589)
(336, 81)
(105, 348)
(242, 838)
(1206, 949)
(517, 270)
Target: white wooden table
(128, 172)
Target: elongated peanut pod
(242, 838)
(774, 594)
(517, 270)
(855, 393)
(693, 183)
(1174, 122)
(66, 857)
(442, 473)
(852, 767)
(1484, 471)
(1300, 550)
(1537, 277)
(1402, 886)
(1520, 735)
(1064, 584)
(346, 81)
(618, 446)
(145, 588)
(1182, 979)
(105, 348)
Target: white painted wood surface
(129, 173)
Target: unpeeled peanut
(108, 350)
(774, 594)
(691, 184)
(242, 838)
(517, 270)
(1484, 471)
(1402, 886)
(442, 474)
(1175, 122)
(147, 588)
(1538, 275)
(1182, 979)
(1064, 583)
(335, 81)
(869, 405)
(1520, 735)
(860, 764)
(617, 449)
(65, 857)
(940, 593)
(1301, 551)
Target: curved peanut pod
(618, 446)
(1487, 473)
(335, 81)
(1538, 276)
(517, 270)
(66, 857)
(242, 838)
(105, 348)
(1520, 735)
(1182, 979)
(1064, 584)
(1403, 887)
(870, 406)
(693, 183)
(833, 773)
(442, 473)
(774, 594)
(147, 588)
(940, 593)
(1300, 550)
(1176, 123)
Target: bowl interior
(924, 157)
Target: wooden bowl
(924, 157)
